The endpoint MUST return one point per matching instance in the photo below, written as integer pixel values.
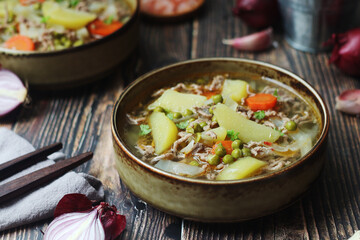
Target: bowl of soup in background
(216, 201)
(74, 66)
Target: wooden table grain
(81, 120)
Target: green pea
(203, 124)
(220, 150)
(57, 42)
(177, 115)
(198, 137)
(194, 163)
(213, 160)
(37, 6)
(228, 159)
(67, 43)
(188, 112)
(211, 110)
(200, 81)
(190, 129)
(191, 120)
(197, 127)
(159, 109)
(236, 153)
(63, 39)
(291, 125)
(217, 98)
(246, 152)
(78, 43)
(236, 144)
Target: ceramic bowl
(216, 201)
(74, 66)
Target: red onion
(349, 101)
(76, 219)
(346, 52)
(257, 13)
(12, 92)
(254, 42)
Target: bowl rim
(94, 43)
(264, 177)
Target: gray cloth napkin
(40, 203)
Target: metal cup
(310, 23)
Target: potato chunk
(248, 130)
(177, 102)
(236, 89)
(69, 18)
(163, 130)
(242, 168)
(7, 7)
(220, 133)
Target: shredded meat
(180, 141)
(211, 134)
(203, 112)
(135, 120)
(168, 155)
(146, 150)
(216, 83)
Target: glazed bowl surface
(216, 201)
(78, 65)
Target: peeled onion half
(12, 92)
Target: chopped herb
(182, 125)
(170, 115)
(232, 135)
(45, 19)
(259, 115)
(144, 129)
(281, 133)
(73, 3)
(276, 94)
(59, 1)
(109, 20)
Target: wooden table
(81, 120)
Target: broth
(217, 128)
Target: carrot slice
(261, 101)
(99, 27)
(29, 2)
(226, 144)
(20, 42)
(209, 94)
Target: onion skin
(257, 13)
(349, 101)
(12, 92)
(254, 42)
(346, 52)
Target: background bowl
(216, 201)
(74, 66)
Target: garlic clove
(349, 101)
(254, 42)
